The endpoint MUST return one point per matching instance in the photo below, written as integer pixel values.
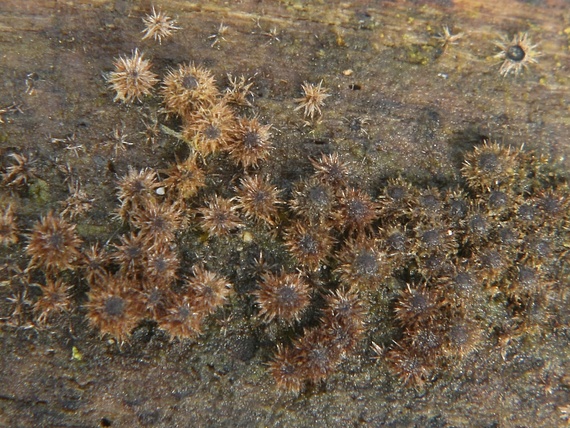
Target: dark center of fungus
(419, 303)
(357, 210)
(133, 252)
(366, 263)
(212, 132)
(397, 193)
(430, 238)
(114, 306)
(251, 140)
(397, 241)
(160, 264)
(489, 162)
(183, 313)
(137, 187)
(458, 209)
(288, 296)
(515, 53)
(189, 82)
(429, 201)
(497, 199)
(478, 225)
(527, 277)
(56, 241)
(260, 198)
(318, 196)
(159, 223)
(308, 245)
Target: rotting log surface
(417, 109)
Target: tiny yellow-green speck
(75, 354)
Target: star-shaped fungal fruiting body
(158, 25)
(517, 54)
(132, 78)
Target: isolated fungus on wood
(158, 26)
(517, 54)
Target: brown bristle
(313, 200)
(208, 290)
(19, 173)
(182, 321)
(154, 299)
(8, 227)
(331, 169)
(158, 25)
(462, 337)
(435, 239)
(527, 216)
(112, 307)
(538, 249)
(94, 263)
(490, 166)
(427, 341)
(130, 252)
(490, 264)
(312, 100)
(396, 201)
(362, 265)
(135, 190)
(258, 199)
(161, 265)
(54, 300)
(53, 244)
(343, 319)
(238, 91)
(498, 204)
(356, 210)
(456, 206)
(310, 245)
(409, 365)
(342, 337)
(218, 217)
(465, 284)
(396, 243)
(210, 129)
(188, 88)
(429, 205)
(476, 227)
(507, 237)
(435, 265)
(77, 204)
(184, 178)
(516, 54)
(158, 222)
(525, 281)
(251, 142)
(416, 306)
(287, 369)
(132, 78)
(554, 205)
(319, 357)
(282, 296)
(345, 307)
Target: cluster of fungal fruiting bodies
(434, 257)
